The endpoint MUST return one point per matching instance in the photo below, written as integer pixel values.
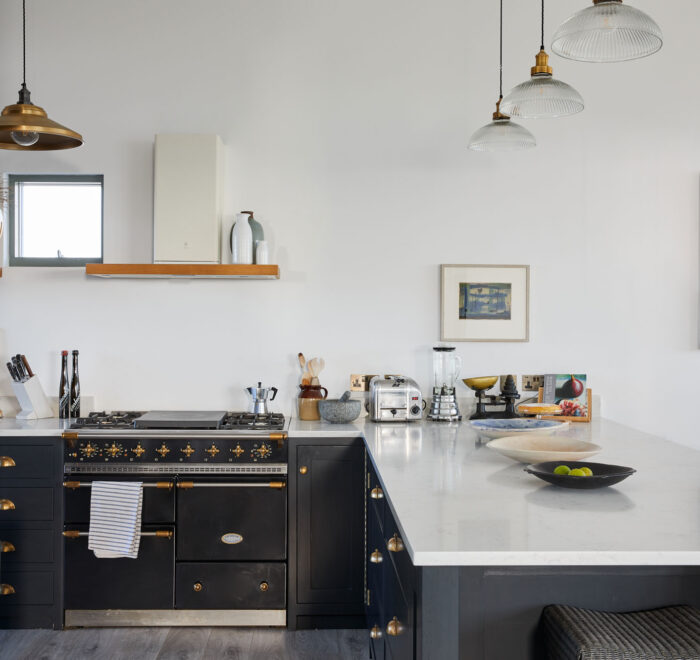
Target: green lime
(587, 471)
(577, 472)
(562, 469)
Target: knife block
(32, 400)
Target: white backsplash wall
(346, 128)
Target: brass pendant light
(25, 126)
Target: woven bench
(669, 633)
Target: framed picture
(485, 303)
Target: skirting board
(147, 618)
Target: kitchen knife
(17, 364)
(26, 366)
(12, 371)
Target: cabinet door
(330, 524)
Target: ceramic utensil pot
(259, 396)
(309, 397)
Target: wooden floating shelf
(191, 271)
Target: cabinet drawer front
(30, 462)
(29, 504)
(376, 558)
(30, 587)
(398, 618)
(230, 585)
(31, 546)
(375, 495)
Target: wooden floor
(183, 644)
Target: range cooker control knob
(238, 450)
(114, 450)
(415, 410)
(263, 451)
(138, 450)
(188, 451)
(163, 450)
(88, 450)
(213, 450)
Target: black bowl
(603, 474)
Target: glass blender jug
(446, 368)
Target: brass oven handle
(375, 632)
(376, 557)
(7, 505)
(187, 485)
(197, 586)
(6, 589)
(264, 586)
(6, 461)
(160, 534)
(376, 493)
(6, 546)
(394, 627)
(165, 485)
(395, 544)
(303, 469)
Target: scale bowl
(481, 383)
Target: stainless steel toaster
(394, 399)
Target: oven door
(120, 584)
(241, 519)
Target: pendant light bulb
(609, 31)
(24, 138)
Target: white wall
(346, 127)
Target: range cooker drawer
(145, 583)
(231, 522)
(230, 586)
(158, 503)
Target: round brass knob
(6, 546)
(264, 586)
(6, 461)
(197, 586)
(7, 505)
(376, 557)
(394, 627)
(375, 632)
(395, 544)
(376, 493)
(303, 469)
(6, 589)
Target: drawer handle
(376, 557)
(395, 544)
(6, 546)
(6, 461)
(303, 469)
(375, 632)
(197, 586)
(377, 493)
(264, 586)
(6, 589)
(394, 627)
(7, 505)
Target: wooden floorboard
(183, 644)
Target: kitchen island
(491, 545)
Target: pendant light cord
(500, 64)
(542, 43)
(24, 42)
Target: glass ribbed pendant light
(609, 31)
(26, 126)
(543, 96)
(501, 134)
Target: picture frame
(485, 303)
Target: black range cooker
(214, 525)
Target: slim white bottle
(262, 254)
(242, 240)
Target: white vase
(262, 254)
(242, 241)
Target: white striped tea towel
(115, 518)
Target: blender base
(443, 407)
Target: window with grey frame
(55, 219)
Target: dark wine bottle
(75, 388)
(63, 391)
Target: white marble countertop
(460, 504)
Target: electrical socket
(532, 383)
(360, 382)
